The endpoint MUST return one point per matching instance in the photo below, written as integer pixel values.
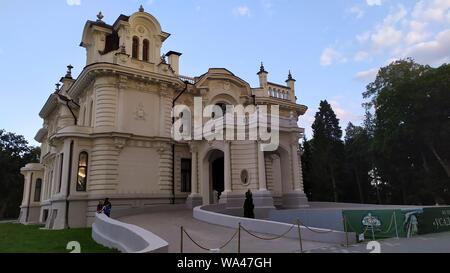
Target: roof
(278, 85)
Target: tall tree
(14, 154)
(411, 131)
(307, 167)
(327, 155)
(358, 161)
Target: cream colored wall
(139, 113)
(181, 152)
(244, 157)
(138, 173)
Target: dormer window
(135, 50)
(145, 50)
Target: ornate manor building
(107, 133)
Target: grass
(17, 238)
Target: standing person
(100, 207)
(107, 206)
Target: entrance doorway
(217, 182)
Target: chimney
(291, 84)
(67, 80)
(174, 61)
(262, 76)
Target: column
(227, 167)
(194, 171)
(295, 166)
(261, 168)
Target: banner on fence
(434, 220)
(380, 224)
(375, 224)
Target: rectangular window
(186, 171)
(82, 172)
(61, 163)
(37, 190)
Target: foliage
(327, 151)
(401, 153)
(14, 154)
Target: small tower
(262, 76)
(291, 84)
(67, 81)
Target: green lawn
(17, 238)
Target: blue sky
(333, 47)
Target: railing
(186, 78)
(241, 228)
(275, 228)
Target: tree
(307, 167)
(14, 154)
(411, 131)
(327, 155)
(358, 161)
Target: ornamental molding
(140, 113)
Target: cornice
(300, 109)
(92, 71)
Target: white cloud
(268, 6)
(386, 36)
(434, 52)
(242, 11)
(73, 2)
(357, 11)
(368, 75)
(1, 51)
(363, 37)
(330, 55)
(361, 56)
(374, 2)
(343, 115)
(431, 10)
(417, 32)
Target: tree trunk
(424, 162)
(358, 182)
(441, 161)
(333, 182)
(3, 210)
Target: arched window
(145, 49)
(82, 171)
(37, 190)
(135, 51)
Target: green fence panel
(434, 220)
(376, 224)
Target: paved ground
(167, 223)
(432, 243)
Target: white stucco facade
(107, 133)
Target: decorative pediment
(220, 82)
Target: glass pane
(83, 160)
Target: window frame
(82, 187)
(37, 198)
(186, 173)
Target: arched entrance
(213, 176)
(281, 170)
(216, 177)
